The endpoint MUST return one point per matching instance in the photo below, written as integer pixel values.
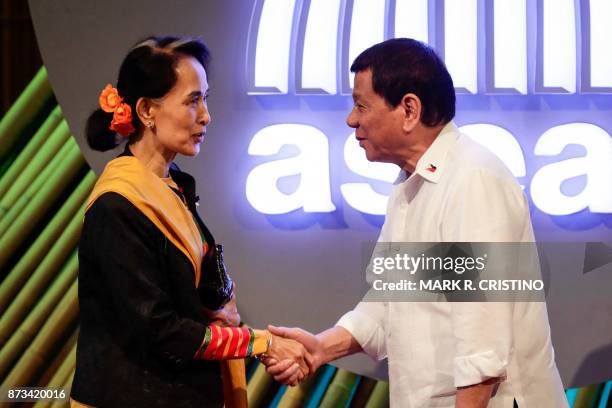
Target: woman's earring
(150, 125)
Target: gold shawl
(127, 176)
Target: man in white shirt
(450, 189)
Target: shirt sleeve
(485, 209)
(366, 325)
(122, 245)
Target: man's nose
(351, 119)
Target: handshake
(294, 355)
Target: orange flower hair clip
(110, 101)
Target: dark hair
(402, 65)
(148, 71)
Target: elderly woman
(158, 318)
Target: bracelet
(269, 342)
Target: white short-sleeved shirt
(459, 192)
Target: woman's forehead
(191, 74)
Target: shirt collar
(432, 164)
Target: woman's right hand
(294, 357)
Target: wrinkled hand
(295, 358)
(284, 370)
(226, 316)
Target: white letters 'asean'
(312, 165)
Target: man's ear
(145, 109)
(411, 107)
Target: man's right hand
(329, 345)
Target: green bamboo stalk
(37, 283)
(20, 338)
(362, 395)
(35, 253)
(339, 390)
(587, 396)
(27, 154)
(44, 198)
(24, 110)
(58, 358)
(28, 190)
(63, 316)
(258, 385)
(45, 153)
(324, 377)
(62, 374)
(294, 397)
(380, 396)
(66, 387)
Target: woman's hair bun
(97, 130)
